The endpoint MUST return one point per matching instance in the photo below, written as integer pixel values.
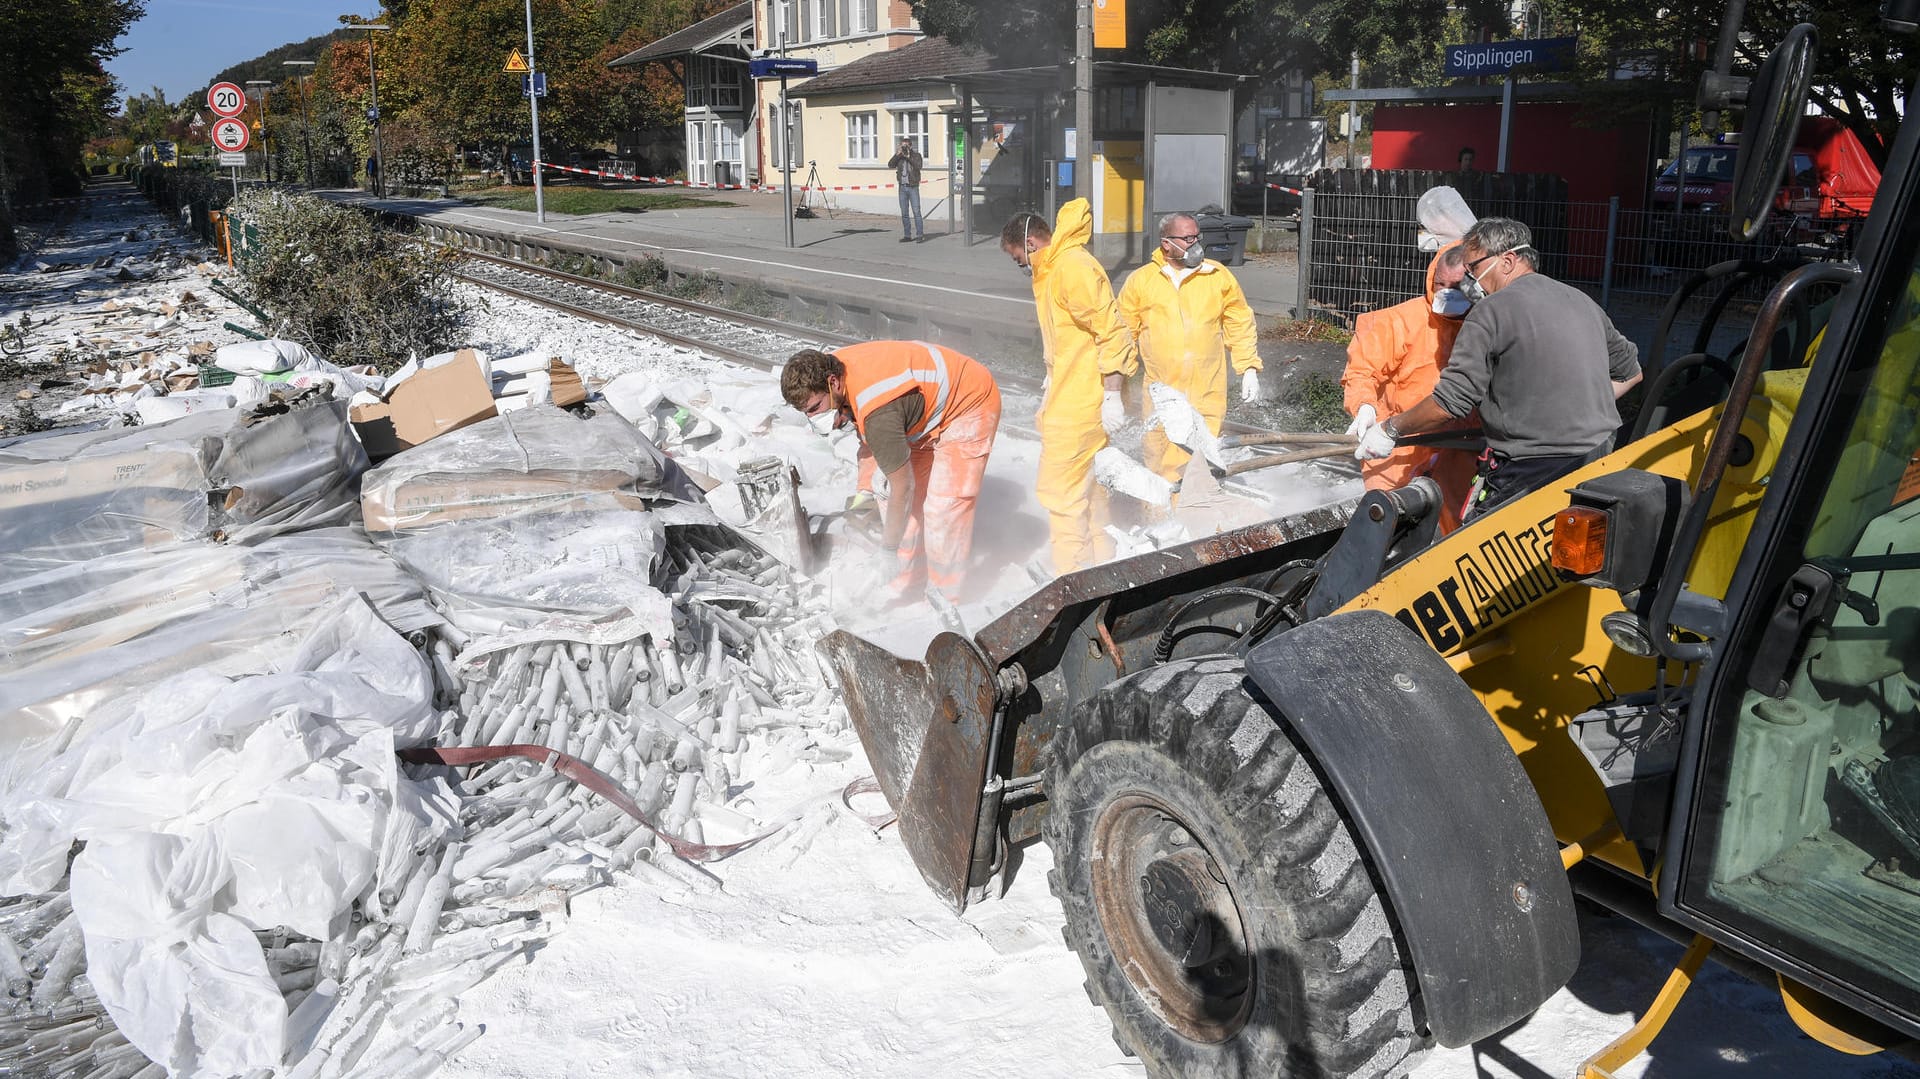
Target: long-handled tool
(1468, 438)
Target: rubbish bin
(1225, 237)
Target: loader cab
(1798, 829)
(1795, 831)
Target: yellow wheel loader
(1323, 790)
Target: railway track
(731, 335)
(735, 336)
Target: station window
(911, 124)
(863, 16)
(863, 136)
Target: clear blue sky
(180, 44)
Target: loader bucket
(926, 723)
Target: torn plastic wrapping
(85, 496)
(532, 521)
(77, 640)
(531, 458)
(214, 807)
(589, 562)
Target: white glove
(1113, 414)
(1250, 385)
(1375, 443)
(1362, 419)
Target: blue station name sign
(776, 67)
(1500, 57)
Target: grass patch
(647, 271)
(701, 287)
(589, 200)
(1320, 403)
(1308, 329)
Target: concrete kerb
(822, 308)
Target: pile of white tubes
(678, 724)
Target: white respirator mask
(823, 423)
(1194, 255)
(1451, 302)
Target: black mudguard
(1449, 820)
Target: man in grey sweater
(1542, 363)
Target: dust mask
(1194, 255)
(1451, 303)
(1471, 287)
(823, 423)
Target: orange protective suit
(947, 449)
(1085, 339)
(1392, 364)
(1184, 333)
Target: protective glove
(1362, 419)
(1375, 443)
(863, 514)
(1113, 413)
(1250, 385)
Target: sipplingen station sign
(1500, 57)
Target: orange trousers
(947, 471)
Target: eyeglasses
(1182, 239)
(817, 404)
(1483, 258)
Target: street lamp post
(379, 176)
(306, 125)
(266, 155)
(533, 104)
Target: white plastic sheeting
(78, 497)
(78, 640)
(219, 806)
(531, 520)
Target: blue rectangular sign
(1500, 57)
(774, 67)
(534, 85)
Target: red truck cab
(1831, 175)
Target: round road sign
(226, 99)
(230, 135)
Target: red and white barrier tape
(766, 188)
(1282, 187)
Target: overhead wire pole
(379, 177)
(266, 155)
(533, 102)
(306, 123)
(1083, 95)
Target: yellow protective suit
(1392, 364)
(1184, 333)
(1085, 339)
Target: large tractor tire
(1225, 916)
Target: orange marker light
(1580, 541)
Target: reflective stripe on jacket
(882, 371)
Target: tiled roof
(699, 37)
(930, 57)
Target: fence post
(1613, 232)
(1305, 247)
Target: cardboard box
(568, 390)
(425, 406)
(567, 386)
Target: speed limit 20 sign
(226, 99)
(230, 135)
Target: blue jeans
(910, 221)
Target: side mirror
(1775, 100)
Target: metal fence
(1358, 246)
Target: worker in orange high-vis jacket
(1187, 313)
(926, 417)
(1393, 362)
(1089, 356)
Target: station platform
(848, 268)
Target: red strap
(587, 776)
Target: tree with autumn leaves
(443, 87)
